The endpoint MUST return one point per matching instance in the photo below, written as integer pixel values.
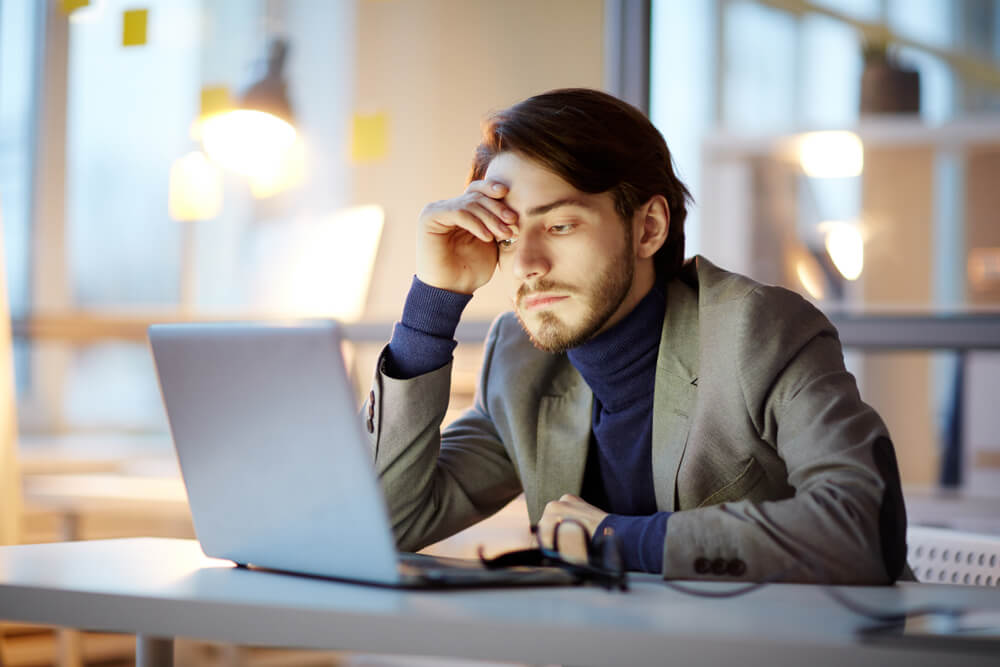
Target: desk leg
(153, 651)
(69, 647)
(69, 642)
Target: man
(707, 420)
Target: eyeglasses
(604, 567)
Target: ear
(653, 225)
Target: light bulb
(833, 154)
(247, 142)
(845, 246)
(195, 188)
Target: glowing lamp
(846, 247)
(809, 274)
(833, 154)
(246, 141)
(195, 188)
(258, 140)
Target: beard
(603, 297)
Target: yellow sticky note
(70, 6)
(134, 27)
(215, 99)
(369, 137)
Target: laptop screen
(278, 471)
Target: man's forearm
(424, 338)
(436, 483)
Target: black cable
(830, 590)
(736, 592)
(749, 588)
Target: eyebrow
(569, 201)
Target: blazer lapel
(564, 420)
(675, 390)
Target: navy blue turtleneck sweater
(619, 365)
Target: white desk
(162, 588)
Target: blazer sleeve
(435, 484)
(846, 522)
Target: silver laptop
(278, 470)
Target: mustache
(542, 285)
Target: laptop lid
(278, 471)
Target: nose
(530, 259)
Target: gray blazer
(761, 444)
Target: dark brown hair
(596, 143)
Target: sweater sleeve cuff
(641, 539)
(424, 338)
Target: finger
(492, 189)
(498, 207)
(545, 529)
(546, 524)
(465, 220)
(572, 540)
(572, 537)
(497, 227)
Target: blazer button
(370, 425)
(736, 568)
(719, 566)
(702, 565)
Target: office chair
(943, 556)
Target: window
(18, 64)
(129, 112)
(733, 86)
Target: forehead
(529, 183)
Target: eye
(564, 228)
(505, 244)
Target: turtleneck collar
(614, 362)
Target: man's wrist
(428, 281)
(433, 310)
(641, 539)
(424, 338)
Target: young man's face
(570, 268)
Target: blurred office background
(847, 149)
